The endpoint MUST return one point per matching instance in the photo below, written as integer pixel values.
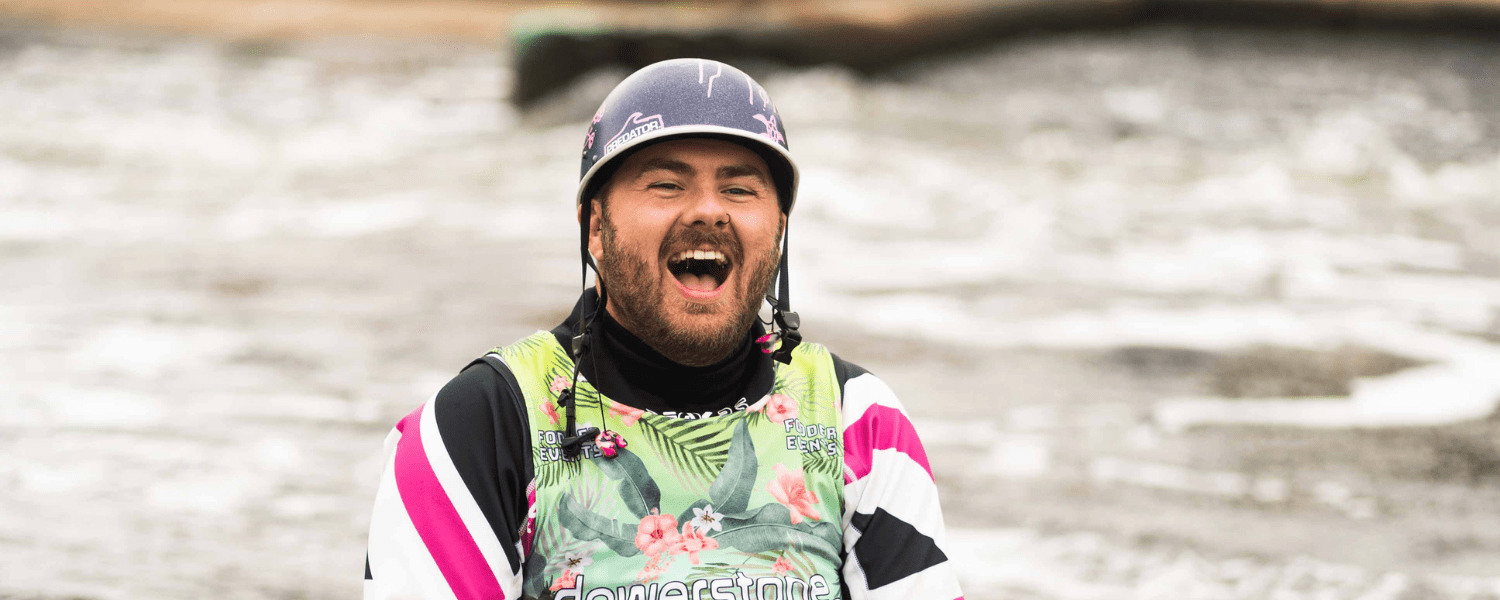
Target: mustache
(691, 239)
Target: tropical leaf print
(802, 564)
(759, 538)
(549, 541)
(535, 580)
(692, 448)
(821, 463)
(730, 492)
(714, 570)
(552, 472)
(558, 360)
(755, 565)
(532, 345)
(770, 528)
(637, 489)
(759, 564)
(794, 386)
(592, 491)
(586, 525)
(576, 547)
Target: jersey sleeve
(893, 524)
(452, 496)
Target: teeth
(702, 255)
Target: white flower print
(705, 519)
(574, 561)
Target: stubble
(633, 284)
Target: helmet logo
(771, 130)
(710, 79)
(588, 143)
(644, 125)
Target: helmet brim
(783, 168)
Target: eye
(665, 185)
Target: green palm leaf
(796, 387)
(684, 448)
(770, 528)
(637, 489)
(552, 472)
(535, 580)
(531, 345)
(823, 464)
(588, 525)
(730, 492)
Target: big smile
(700, 274)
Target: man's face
(687, 245)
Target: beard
(635, 290)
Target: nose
(706, 208)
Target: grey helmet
(686, 97)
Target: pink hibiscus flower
(628, 414)
(559, 384)
(693, 542)
(567, 580)
(656, 533)
(790, 489)
(780, 407)
(551, 411)
(781, 566)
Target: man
(721, 461)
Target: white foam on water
(283, 405)
(72, 406)
(54, 479)
(988, 561)
(946, 432)
(218, 494)
(147, 350)
(362, 217)
(278, 454)
(1019, 456)
(1111, 470)
(302, 506)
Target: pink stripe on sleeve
(880, 428)
(437, 521)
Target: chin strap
(573, 439)
(786, 321)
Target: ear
(596, 229)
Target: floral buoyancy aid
(745, 505)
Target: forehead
(701, 154)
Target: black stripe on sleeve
(890, 549)
(368, 576)
(485, 432)
(845, 370)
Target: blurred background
(1191, 299)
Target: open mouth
(700, 270)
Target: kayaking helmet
(685, 98)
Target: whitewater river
(229, 268)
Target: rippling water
(232, 266)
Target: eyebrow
(667, 164)
(741, 170)
(724, 172)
